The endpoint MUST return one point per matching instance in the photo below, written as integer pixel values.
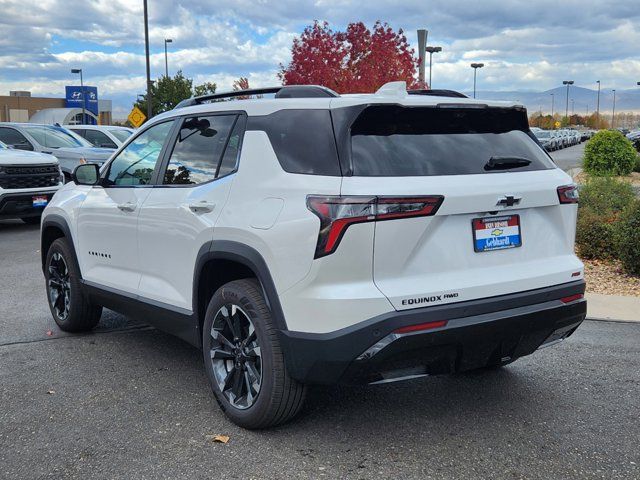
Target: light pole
(598, 105)
(146, 49)
(79, 70)
(422, 43)
(566, 110)
(553, 96)
(475, 67)
(166, 58)
(613, 115)
(573, 107)
(431, 51)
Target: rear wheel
(71, 310)
(244, 361)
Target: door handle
(127, 207)
(202, 207)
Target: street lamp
(79, 70)
(613, 115)
(431, 51)
(166, 59)
(422, 43)
(598, 105)
(146, 51)
(573, 106)
(475, 67)
(566, 110)
(553, 96)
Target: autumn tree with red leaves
(358, 60)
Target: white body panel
(107, 245)
(433, 257)
(170, 235)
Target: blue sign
(75, 94)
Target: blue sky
(526, 45)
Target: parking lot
(130, 402)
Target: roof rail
(437, 93)
(286, 91)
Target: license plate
(496, 233)
(40, 201)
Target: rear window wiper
(506, 163)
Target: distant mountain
(584, 98)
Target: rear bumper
(20, 205)
(477, 333)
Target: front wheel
(244, 361)
(71, 310)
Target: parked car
(318, 238)
(28, 181)
(547, 139)
(70, 149)
(104, 136)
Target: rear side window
(302, 139)
(198, 149)
(402, 141)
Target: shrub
(602, 201)
(627, 234)
(609, 153)
(636, 167)
(606, 195)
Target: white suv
(318, 238)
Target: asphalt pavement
(130, 402)
(570, 157)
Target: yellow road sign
(136, 117)
(557, 124)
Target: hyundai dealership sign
(74, 98)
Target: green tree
(167, 92)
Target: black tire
(72, 311)
(279, 398)
(31, 220)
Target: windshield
(543, 134)
(120, 134)
(54, 137)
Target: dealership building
(20, 106)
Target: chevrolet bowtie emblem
(509, 201)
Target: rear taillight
(422, 326)
(568, 194)
(337, 213)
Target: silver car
(70, 149)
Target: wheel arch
(222, 261)
(54, 227)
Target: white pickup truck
(28, 181)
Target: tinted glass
(198, 149)
(302, 139)
(120, 134)
(11, 136)
(54, 137)
(99, 139)
(395, 141)
(232, 152)
(135, 164)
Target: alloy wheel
(235, 356)
(59, 284)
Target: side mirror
(23, 146)
(86, 174)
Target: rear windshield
(403, 141)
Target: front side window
(198, 149)
(99, 139)
(13, 137)
(136, 163)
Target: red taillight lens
(337, 213)
(568, 194)
(421, 326)
(572, 298)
